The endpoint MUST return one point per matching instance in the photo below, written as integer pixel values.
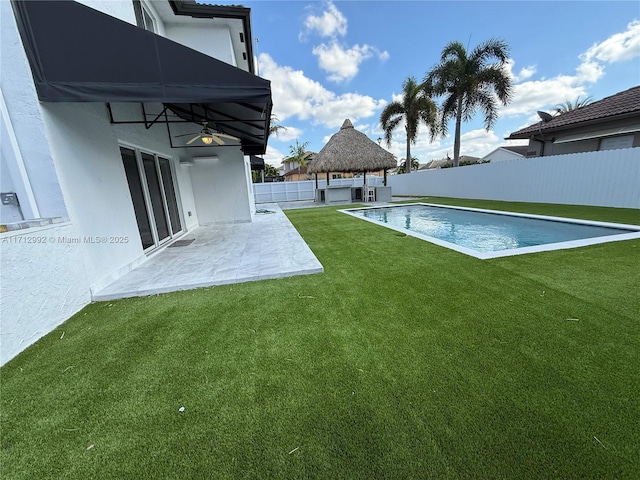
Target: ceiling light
(207, 139)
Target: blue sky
(328, 61)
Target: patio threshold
(269, 247)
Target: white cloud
(617, 48)
(291, 133)
(273, 156)
(340, 61)
(589, 72)
(330, 24)
(525, 72)
(295, 95)
(536, 95)
(343, 63)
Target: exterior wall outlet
(9, 198)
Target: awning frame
(163, 118)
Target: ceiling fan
(207, 136)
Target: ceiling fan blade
(216, 139)
(224, 135)
(194, 139)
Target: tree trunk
(407, 163)
(456, 143)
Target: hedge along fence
(609, 178)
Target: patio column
(385, 177)
(327, 179)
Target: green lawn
(403, 360)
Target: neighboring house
(435, 164)
(109, 118)
(447, 162)
(297, 174)
(611, 123)
(292, 171)
(504, 153)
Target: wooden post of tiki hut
(349, 150)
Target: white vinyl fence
(305, 190)
(608, 178)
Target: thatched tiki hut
(352, 151)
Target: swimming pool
(490, 233)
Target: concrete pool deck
(269, 247)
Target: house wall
(67, 155)
(610, 178)
(24, 116)
(93, 180)
(118, 9)
(215, 188)
(589, 145)
(213, 40)
(43, 283)
(551, 148)
(189, 211)
(13, 175)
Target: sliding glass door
(154, 196)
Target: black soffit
(78, 54)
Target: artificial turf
(402, 360)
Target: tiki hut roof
(351, 151)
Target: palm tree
(415, 165)
(274, 125)
(469, 82)
(298, 153)
(567, 106)
(416, 106)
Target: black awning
(78, 54)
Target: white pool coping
(634, 234)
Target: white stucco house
(125, 124)
(504, 153)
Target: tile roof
(626, 103)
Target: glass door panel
(170, 194)
(155, 195)
(137, 196)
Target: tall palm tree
(416, 106)
(468, 81)
(567, 106)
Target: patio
(269, 247)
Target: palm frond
(568, 106)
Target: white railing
(303, 190)
(608, 178)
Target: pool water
(488, 234)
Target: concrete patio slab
(269, 247)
